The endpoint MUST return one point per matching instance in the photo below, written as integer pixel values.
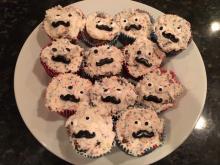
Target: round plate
(30, 82)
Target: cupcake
(134, 23)
(63, 22)
(66, 93)
(142, 56)
(159, 90)
(172, 33)
(61, 56)
(103, 61)
(90, 134)
(139, 131)
(100, 29)
(114, 93)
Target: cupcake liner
(93, 157)
(67, 113)
(49, 71)
(125, 39)
(91, 42)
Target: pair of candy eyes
(100, 21)
(70, 15)
(138, 52)
(55, 49)
(146, 123)
(160, 88)
(96, 51)
(71, 87)
(126, 20)
(87, 118)
(105, 90)
(161, 28)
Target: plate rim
(60, 156)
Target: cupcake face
(142, 56)
(63, 22)
(114, 93)
(159, 90)
(139, 131)
(103, 60)
(173, 32)
(62, 56)
(134, 23)
(101, 26)
(67, 92)
(90, 134)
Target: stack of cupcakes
(110, 93)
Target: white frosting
(60, 86)
(164, 85)
(94, 19)
(137, 17)
(68, 50)
(134, 120)
(117, 87)
(105, 51)
(69, 14)
(175, 25)
(102, 127)
(149, 51)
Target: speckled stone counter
(19, 17)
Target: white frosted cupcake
(133, 23)
(172, 33)
(103, 61)
(114, 93)
(66, 93)
(61, 56)
(100, 28)
(142, 56)
(63, 22)
(139, 131)
(159, 90)
(90, 134)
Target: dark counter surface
(19, 17)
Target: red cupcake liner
(67, 113)
(49, 71)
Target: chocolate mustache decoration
(104, 27)
(152, 98)
(58, 23)
(104, 61)
(61, 58)
(133, 26)
(170, 37)
(143, 61)
(69, 97)
(111, 99)
(142, 134)
(84, 134)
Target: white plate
(31, 80)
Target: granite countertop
(19, 17)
